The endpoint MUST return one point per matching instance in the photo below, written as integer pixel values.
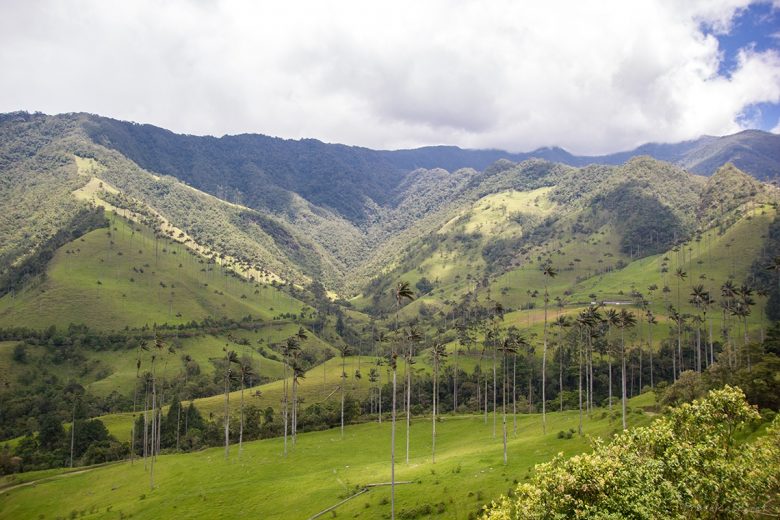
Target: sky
(590, 76)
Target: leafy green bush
(685, 465)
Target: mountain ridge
(306, 210)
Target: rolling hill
(133, 260)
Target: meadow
(319, 471)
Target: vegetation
(294, 298)
(692, 463)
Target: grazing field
(319, 471)
(124, 276)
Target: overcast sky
(591, 76)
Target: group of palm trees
(591, 325)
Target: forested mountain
(305, 210)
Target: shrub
(685, 465)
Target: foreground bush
(687, 464)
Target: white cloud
(590, 76)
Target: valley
(162, 295)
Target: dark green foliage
(646, 226)
(20, 353)
(51, 435)
(765, 271)
(424, 286)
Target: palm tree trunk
(514, 393)
(392, 446)
(408, 401)
(503, 408)
(560, 374)
(132, 434)
(609, 360)
(486, 401)
(495, 378)
(698, 348)
(227, 415)
(154, 428)
(146, 420)
(343, 384)
(455, 384)
(159, 424)
(712, 353)
(241, 420)
(433, 419)
(590, 376)
(284, 405)
(747, 348)
(623, 374)
(650, 345)
(674, 356)
(640, 362)
(479, 394)
(544, 370)
(579, 386)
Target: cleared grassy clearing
(318, 472)
(123, 276)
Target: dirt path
(55, 477)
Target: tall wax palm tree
(343, 352)
(158, 347)
(699, 299)
(728, 293)
(681, 275)
(582, 322)
(290, 346)
(141, 346)
(230, 358)
(627, 320)
(562, 323)
(678, 319)
(411, 337)
(373, 377)
(508, 345)
(612, 319)
(466, 340)
(548, 272)
(742, 310)
(297, 373)
(245, 374)
(585, 322)
(706, 304)
(379, 338)
(496, 313)
(650, 317)
(438, 354)
(75, 393)
(401, 292)
(644, 305)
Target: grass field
(320, 471)
(122, 276)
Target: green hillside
(137, 286)
(126, 276)
(320, 470)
